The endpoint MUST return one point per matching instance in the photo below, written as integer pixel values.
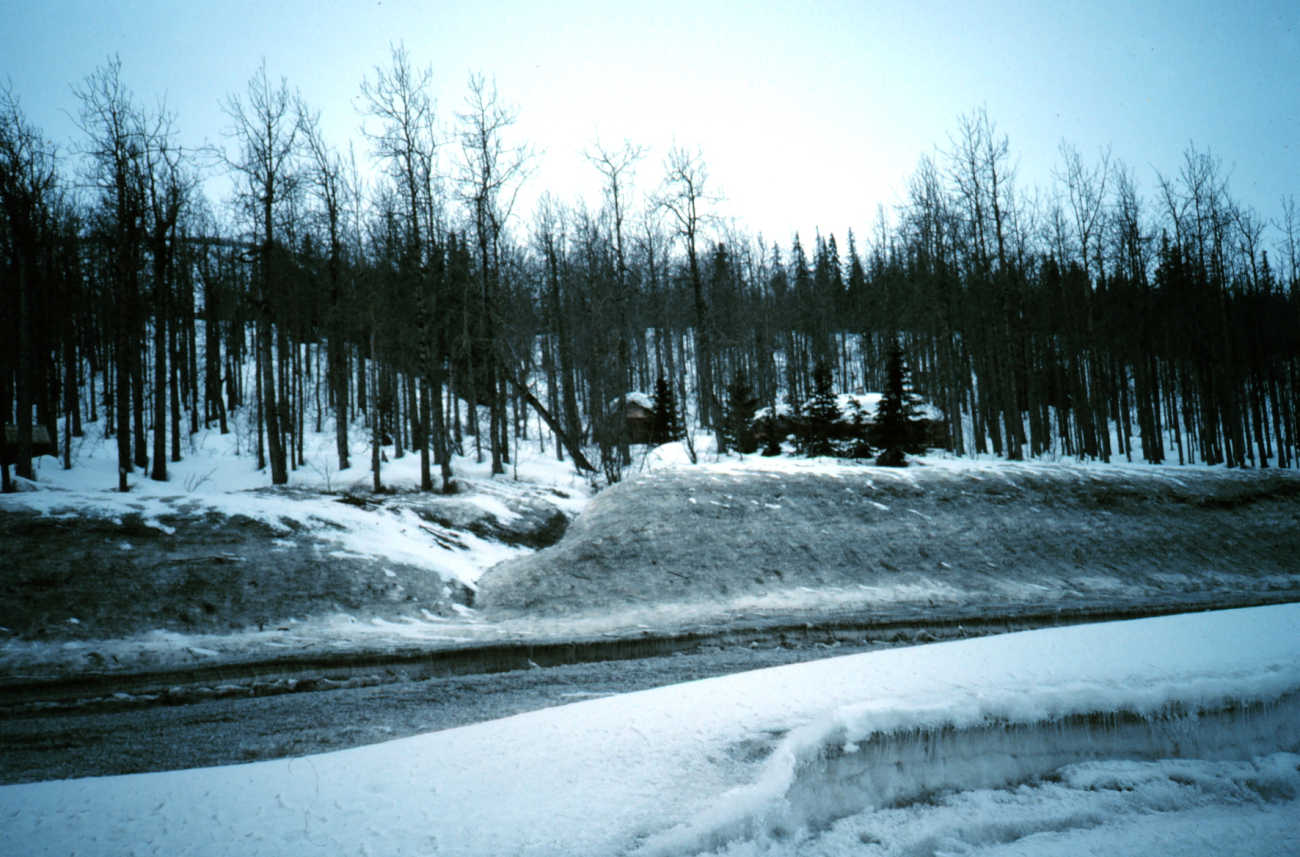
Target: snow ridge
(877, 755)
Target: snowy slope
(825, 757)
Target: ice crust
(997, 742)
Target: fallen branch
(445, 539)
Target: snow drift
(857, 760)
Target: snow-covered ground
(1173, 735)
(218, 475)
(946, 535)
(217, 508)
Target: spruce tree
(772, 440)
(664, 428)
(860, 446)
(738, 422)
(823, 412)
(896, 429)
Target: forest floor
(230, 587)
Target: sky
(808, 115)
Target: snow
(217, 475)
(390, 534)
(641, 400)
(1166, 735)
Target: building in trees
(638, 416)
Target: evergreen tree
(665, 427)
(771, 437)
(896, 430)
(822, 414)
(860, 446)
(738, 421)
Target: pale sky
(809, 115)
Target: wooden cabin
(640, 416)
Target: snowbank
(947, 539)
(762, 762)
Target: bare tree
(618, 167)
(1085, 190)
(265, 127)
(166, 191)
(1131, 246)
(1196, 203)
(1289, 227)
(325, 177)
(114, 150)
(979, 166)
(684, 194)
(28, 178)
(492, 170)
(407, 144)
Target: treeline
(1077, 320)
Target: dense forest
(409, 294)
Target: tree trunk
(160, 361)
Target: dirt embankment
(92, 574)
(925, 540)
